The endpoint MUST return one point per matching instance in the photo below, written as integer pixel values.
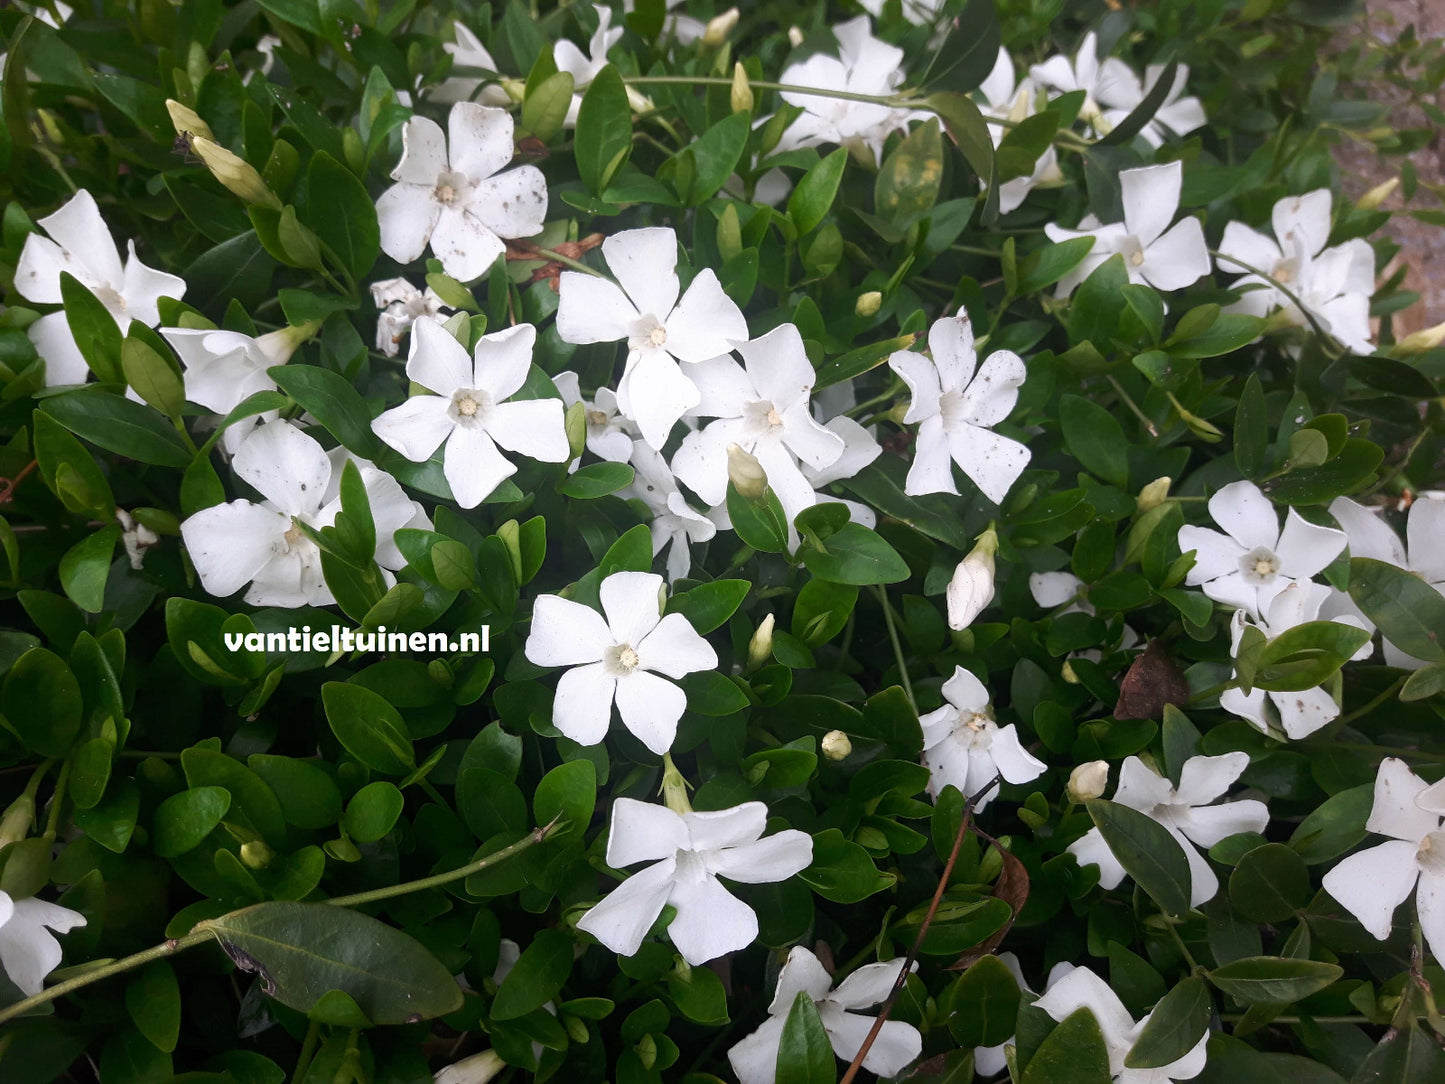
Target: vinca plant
(643, 542)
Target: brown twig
(907, 968)
(7, 485)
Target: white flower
(584, 67)
(609, 433)
(1080, 988)
(971, 588)
(240, 542)
(80, 243)
(1252, 561)
(1370, 536)
(1167, 259)
(864, 65)
(1184, 811)
(1109, 83)
(451, 194)
(1373, 882)
(1299, 713)
(136, 537)
(1334, 284)
(619, 657)
(1176, 115)
(962, 744)
(388, 554)
(1015, 101)
(683, 28)
(477, 1069)
(957, 406)
(401, 305)
(674, 522)
(28, 950)
(917, 12)
(1087, 781)
(469, 52)
(755, 1058)
(222, 369)
(469, 411)
(763, 407)
(859, 449)
(688, 852)
(642, 307)
(1054, 589)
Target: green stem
(1365, 747)
(1183, 949)
(1345, 720)
(1282, 288)
(57, 800)
(348, 1070)
(1149, 426)
(308, 1051)
(897, 648)
(556, 257)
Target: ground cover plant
(798, 543)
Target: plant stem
(308, 1051)
(897, 648)
(57, 800)
(1149, 426)
(1372, 705)
(556, 257)
(1366, 747)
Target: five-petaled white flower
(261, 544)
(618, 657)
(689, 852)
(583, 67)
(469, 410)
(674, 522)
(401, 305)
(962, 744)
(1165, 258)
(864, 65)
(609, 432)
(1081, 988)
(957, 401)
(1106, 83)
(642, 307)
(1302, 712)
(755, 1058)
(1370, 536)
(763, 407)
(1253, 560)
(1334, 284)
(1371, 883)
(28, 950)
(450, 193)
(80, 243)
(467, 51)
(1176, 115)
(1015, 101)
(1185, 812)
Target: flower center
(1137, 258)
(451, 188)
(1284, 272)
(1431, 854)
(1259, 565)
(764, 420)
(293, 535)
(647, 333)
(470, 406)
(621, 659)
(657, 336)
(596, 418)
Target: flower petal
(536, 428)
(407, 215)
(1250, 247)
(710, 922)
(592, 309)
(424, 152)
(565, 633)
(1140, 787)
(992, 393)
(655, 393)
(37, 274)
(706, 321)
(869, 985)
(932, 468)
(1178, 258)
(643, 832)
(921, 375)
(1151, 199)
(1306, 218)
(1372, 883)
(582, 708)
(464, 244)
(55, 343)
(992, 462)
(1207, 825)
(1424, 530)
(630, 601)
(1203, 779)
(623, 917)
(1429, 905)
(896, 1044)
(80, 230)
(1245, 514)
(724, 388)
(437, 361)
(650, 707)
(714, 829)
(1302, 713)
(416, 428)
(27, 952)
(755, 1058)
(674, 648)
(479, 140)
(142, 287)
(230, 543)
(1015, 763)
(511, 204)
(286, 466)
(775, 858)
(802, 973)
(1369, 535)
(1091, 850)
(1305, 549)
(950, 340)
(1395, 812)
(778, 367)
(644, 263)
(1083, 989)
(473, 466)
(501, 361)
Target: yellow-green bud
(576, 422)
(16, 823)
(719, 27)
(746, 474)
(836, 745)
(760, 647)
(1154, 494)
(1378, 195)
(1417, 342)
(868, 304)
(646, 1051)
(256, 854)
(188, 122)
(1088, 781)
(235, 173)
(674, 787)
(742, 92)
(1067, 673)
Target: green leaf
(368, 727)
(1097, 304)
(821, 610)
(1270, 884)
(965, 124)
(251, 798)
(1345, 473)
(334, 401)
(1407, 1056)
(842, 871)
(1308, 655)
(1423, 683)
(984, 1004)
(153, 375)
(1041, 269)
(373, 811)
(596, 480)
(568, 791)
(41, 702)
(69, 470)
(1251, 433)
(1335, 825)
(1227, 333)
(1274, 980)
(1073, 1053)
(341, 212)
(536, 978)
(715, 156)
(709, 605)
(96, 333)
(544, 109)
(1095, 438)
(1175, 1026)
(604, 130)
(907, 184)
(184, 819)
(85, 567)
(805, 1054)
(303, 950)
(309, 796)
(814, 193)
(120, 425)
(1147, 851)
(854, 554)
(153, 1000)
(1408, 611)
(762, 523)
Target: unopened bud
(719, 27)
(235, 173)
(256, 855)
(868, 304)
(760, 647)
(187, 121)
(639, 102)
(836, 745)
(1377, 195)
(674, 787)
(971, 588)
(795, 36)
(742, 92)
(1088, 781)
(576, 423)
(1154, 494)
(1067, 673)
(16, 823)
(477, 1069)
(746, 474)
(278, 346)
(1417, 342)
(576, 1029)
(646, 1050)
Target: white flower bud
(868, 304)
(836, 745)
(187, 121)
(1154, 494)
(746, 473)
(719, 27)
(1067, 673)
(971, 588)
(1088, 781)
(235, 173)
(741, 99)
(795, 36)
(1417, 342)
(760, 647)
(477, 1069)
